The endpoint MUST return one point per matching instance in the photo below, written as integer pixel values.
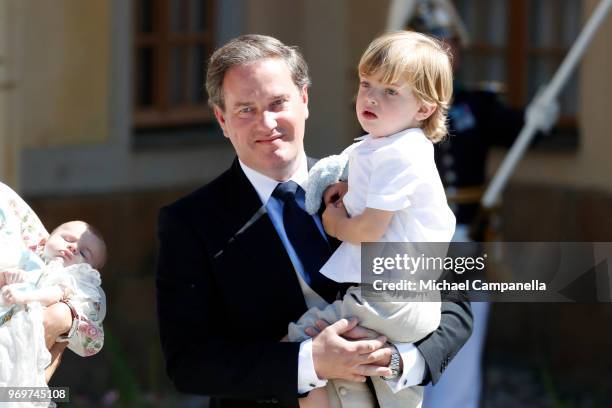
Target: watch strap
(394, 366)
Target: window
(520, 44)
(172, 41)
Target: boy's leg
(331, 314)
(316, 398)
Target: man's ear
(220, 116)
(425, 111)
(304, 96)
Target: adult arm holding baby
(62, 316)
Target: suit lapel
(257, 250)
(244, 201)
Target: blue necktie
(307, 240)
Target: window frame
(161, 40)
(518, 52)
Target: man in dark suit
(232, 273)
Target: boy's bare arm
(368, 226)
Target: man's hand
(382, 355)
(335, 192)
(13, 296)
(336, 357)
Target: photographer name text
(476, 284)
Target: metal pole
(540, 110)
(399, 13)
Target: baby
(66, 271)
(74, 242)
(394, 195)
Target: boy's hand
(12, 296)
(335, 192)
(332, 215)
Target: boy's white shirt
(412, 359)
(393, 173)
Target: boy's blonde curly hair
(424, 63)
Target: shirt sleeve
(307, 377)
(414, 368)
(393, 180)
(87, 338)
(89, 302)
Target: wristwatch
(394, 365)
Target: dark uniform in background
(478, 120)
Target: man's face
(74, 243)
(264, 116)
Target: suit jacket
(225, 295)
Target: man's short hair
(247, 49)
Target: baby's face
(74, 243)
(384, 109)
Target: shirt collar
(265, 185)
(390, 138)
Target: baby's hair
(90, 227)
(424, 63)
(95, 231)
